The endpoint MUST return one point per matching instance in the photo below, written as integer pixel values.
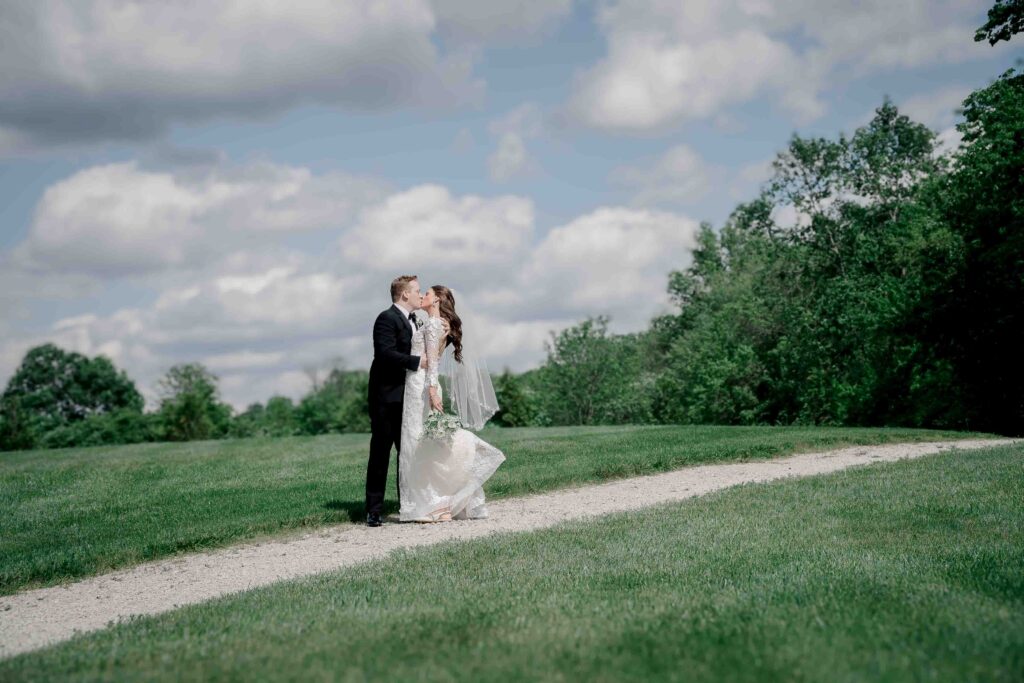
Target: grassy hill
(902, 571)
(65, 514)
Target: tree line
(893, 295)
(60, 398)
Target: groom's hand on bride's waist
(423, 361)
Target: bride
(442, 479)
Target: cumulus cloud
(679, 176)
(510, 157)
(262, 312)
(611, 261)
(669, 61)
(105, 70)
(427, 225)
(936, 108)
(649, 81)
(120, 219)
(949, 139)
(249, 314)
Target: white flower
(441, 426)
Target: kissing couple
(441, 467)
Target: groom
(392, 341)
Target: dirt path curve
(37, 618)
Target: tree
(514, 407)
(711, 369)
(53, 388)
(279, 417)
(339, 404)
(592, 377)
(812, 321)
(975, 321)
(190, 405)
(122, 426)
(15, 431)
(1005, 19)
(249, 422)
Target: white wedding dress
(438, 476)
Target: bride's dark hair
(446, 304)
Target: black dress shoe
(373, 519)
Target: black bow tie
(412, 318)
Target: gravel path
(36, 618)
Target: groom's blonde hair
(399, 285)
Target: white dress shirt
(405, 313)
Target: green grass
(903, 571)
(77, 512)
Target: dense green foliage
(976, 323)
(190, 406)
(339, 404)
(55, 389)
(1005, 19)
(126, 504)
(891, 296)
(516, 409)
(875, 280)
(60, 399)
(895, 298)
(593, 377)
(905, 571)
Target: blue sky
(184, 183)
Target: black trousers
(385, 431)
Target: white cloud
(787, 217)
(240, 390)
(650, 80)
(105, 69)
(426, 225)
(670, 61)
(680, 176)
(119, 219)
(260, 314)
(936, 109)
(612, 261)
(948, 140)
(242, 360)
(239, 317)
(510, 158)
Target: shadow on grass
(356, 509)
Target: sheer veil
(468, 384)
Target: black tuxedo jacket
(392, 341)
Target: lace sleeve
(432, 339)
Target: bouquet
(441, 426)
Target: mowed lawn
(66, 514)
(901, 571)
